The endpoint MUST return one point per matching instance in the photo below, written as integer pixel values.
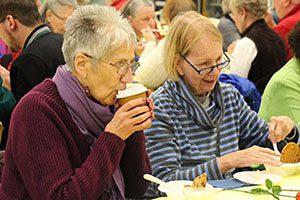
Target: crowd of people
(66, 136)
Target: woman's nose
(127, 78)
(151, 23)
(214, 69)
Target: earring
(87, 90)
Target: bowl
(176, 190)
(286, 169)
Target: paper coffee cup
(132, 92)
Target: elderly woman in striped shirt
(202, 125)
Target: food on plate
(199, 182)
(290, 153)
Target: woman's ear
(243, 13)
(48, 16)
(130, 18)
(178, 65)
(81, 65)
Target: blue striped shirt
(185, 139)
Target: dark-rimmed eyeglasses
(122, 66)
(208, 70)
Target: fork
(275, 147)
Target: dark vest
(271, 55)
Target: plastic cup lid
(132, 90)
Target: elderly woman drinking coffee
(66, 140)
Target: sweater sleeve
(281, 97)
(152, 72)
(134, 164)
(244, 53)
(43, 150)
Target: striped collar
(186, 100)
(36, 33)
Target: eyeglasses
(59, 17)
(208, 70)
(122, 66)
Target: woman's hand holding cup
(135, 114)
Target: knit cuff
(294, 136)
(214, 169)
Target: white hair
(97, 31)
(55, 5)
(131, 7)
(257, 8)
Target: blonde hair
(257, 8)
(173, 7)
(185, 30)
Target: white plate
(256, 177)
(176, 189)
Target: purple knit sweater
(48, 158)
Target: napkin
(228, 183)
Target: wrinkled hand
(148, 34)
(250, 156)
(279, 128)
(4, 73)
(257, 155)
(139, 48)
(135, 115)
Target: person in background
(141, 15)
(151, 71)
(7, 103)
(56, 12)
(200, 124)
(288, 12)
(227, 26)
(7, 57)
(260, 52)
(282, 94)
(66, 140)
(21, 28)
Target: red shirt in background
(118, 4)
(285, 26)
